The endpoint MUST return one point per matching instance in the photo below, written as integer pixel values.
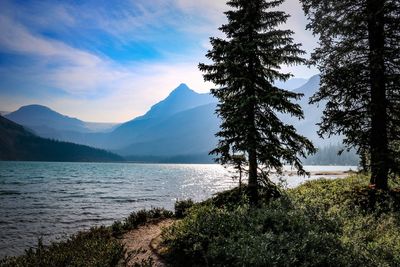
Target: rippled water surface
(52, 200)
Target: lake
(53, 200)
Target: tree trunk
(364, 161)
(379, 136)
(253, 183)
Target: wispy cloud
(17, 39)
(107, 61)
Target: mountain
(34, 116)
(328, 155)
(180, 99)
(189, 132)
(291, 84)
(313, 114)
(143, 128)
(182, 127)
(100, 127)
(48, 123)
(17, 143)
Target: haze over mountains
(49, 123)
(291, 84)
(179, 128)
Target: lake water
(53, 200)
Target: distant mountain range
(312, 115)
(291, 84)
(49, 123)
(17, 143)
(180, 128)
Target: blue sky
(109, 61)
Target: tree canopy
(245, 66)
(358, 57)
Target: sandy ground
(140, 243)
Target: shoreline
(143, 228)
(64, 236)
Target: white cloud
(100, 89)
(15, 38)
(131, 94)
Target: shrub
(138, 218)
(96, 247)
(369, 219)
(320, 223)
(238, 196)
(182, 207)
(272, 235)
(142, 217)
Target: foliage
(369, 218)
(321, 223)
(276, 234)
(138, 218)
(96, 247)
(245, 66)
(230, 199)
(182, 207)
(358, 59)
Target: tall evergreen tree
(245, 66)
(358, 58)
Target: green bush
(369, 219)
(142, 217)
(138, 218)
(230, 199)
(321, 223)
(274, 235)
(182, 207)
(96, 247)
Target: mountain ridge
(185, 123)
(17, 143)
(46, 122)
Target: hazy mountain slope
(291, 84)
(182, 127)
(101, 127)
(190, 133)
(179, 100)
(16, 143)
(313, 114)
(186, 133)
(35, 116)
(48, 123)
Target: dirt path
(139, 243)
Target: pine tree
(358, 58)
(245, 66)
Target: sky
(109, 61)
